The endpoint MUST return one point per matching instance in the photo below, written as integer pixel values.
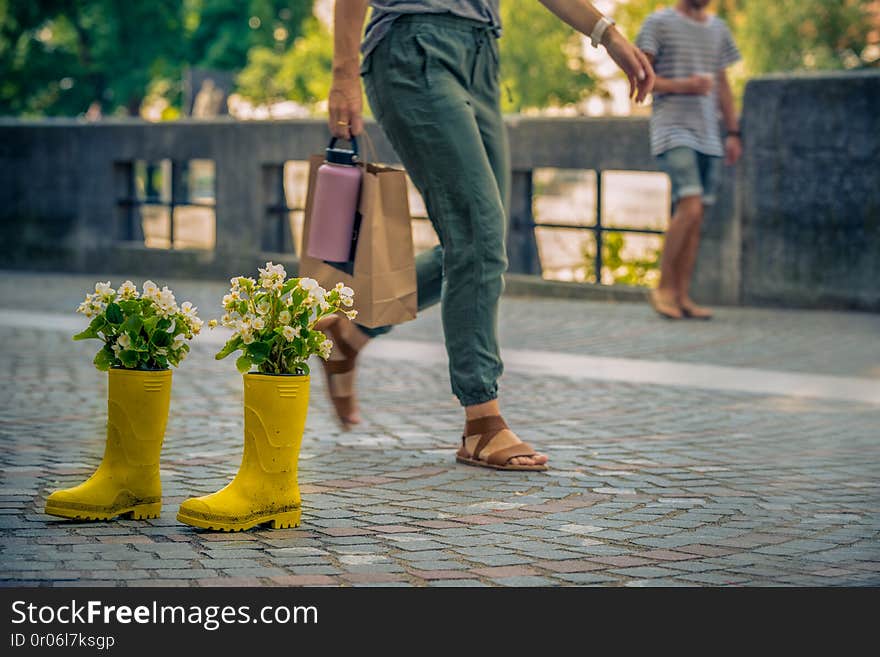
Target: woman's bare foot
(689, 308)
(340, 368)
(502, 440)
(665, 303)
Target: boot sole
(136, 512)
(276, 521)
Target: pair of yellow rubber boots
(127, 482)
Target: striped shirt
(682, 47)
(385, 12)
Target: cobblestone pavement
(650, 485)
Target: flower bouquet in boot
(272, 324)
(144, 335)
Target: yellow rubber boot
(265, 490)
(127, 481)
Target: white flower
(104, 290)
(346, 292)
(351, 314)
(86, 308)
(308, 284)
(284, 317)
(178, 342)
(181, 355)
(263, 308)
(151, 290)
(325, 348)
(116, 350)
(161, 351)
(247, 337)
(128, 290)
(347, 301)
(289, 333)
(195, 325)
(258, 323)
(212, 323)
(123, 341)
(272, 276)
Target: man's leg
(710, 178)
(686, 270)
(681, 165)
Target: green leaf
(91, 331)
(129, 358)
(104, 359)
(133, 324)
(130, 306)
(163, 324)
(228, 348)
(258, 351)
(161, 339)
(243, 364)
(150, 324)
(289, 285)
(114, 313)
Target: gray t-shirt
(683, 47)
(385, 12)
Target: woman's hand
(632, 61)
(346, 106)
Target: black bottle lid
(348, 157)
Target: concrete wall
(810, 191)
(797, 223)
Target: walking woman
(431, 73)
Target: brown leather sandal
(345, 406)
(487, 428)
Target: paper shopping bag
(382, 272)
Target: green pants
(432, 83)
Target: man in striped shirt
(690, 50)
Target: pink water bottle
(337, 191)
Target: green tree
(542, 62)
(223, 32)
(785, 35)
(301, 73)
(57, 57)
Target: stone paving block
(456, 583)
(570, 566)
(504, 571)
(586, 579)
(500, 560)
(445, 573)
(304, 580)
(524, 581)
(644, 572)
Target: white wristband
(599, 30)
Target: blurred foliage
(222, 32)
(301, 73)
(619, 268)
(785, 35)
(59, 56)
(542, 62)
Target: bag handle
(370, 146)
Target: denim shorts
(692, 173)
